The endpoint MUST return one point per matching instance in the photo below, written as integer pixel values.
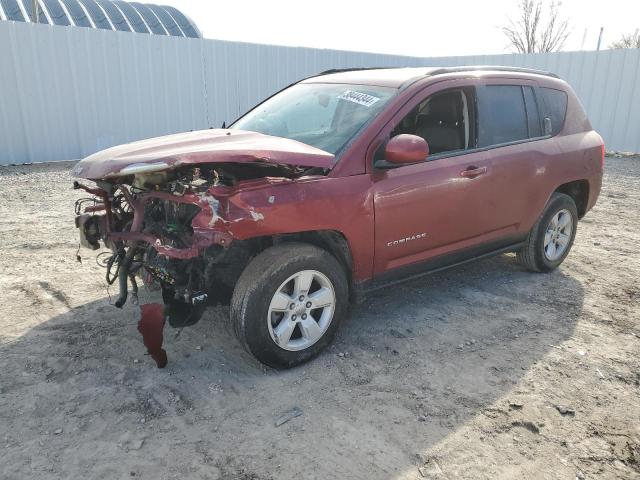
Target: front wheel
(552, 236)
(288, 303)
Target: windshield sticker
(363, 99)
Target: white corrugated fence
(68, 92)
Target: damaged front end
(171, 229)
(181, 212)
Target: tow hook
(198, 298)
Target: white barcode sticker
(360, 98)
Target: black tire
(532, 256)
(257, 286)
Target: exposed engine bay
(168, 228)
(186, 213)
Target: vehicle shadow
(411, 365)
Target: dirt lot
(485, 371)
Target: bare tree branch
(539, 27)
(627, 41)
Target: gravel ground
(483, 371)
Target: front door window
(446, 120)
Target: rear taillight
(602, 157)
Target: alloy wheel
(558, 235)
(301, 310)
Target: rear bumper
(595, 185)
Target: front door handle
(473, 172)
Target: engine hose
(134, 288)
(123, 275)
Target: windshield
(325, 116)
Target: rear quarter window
(556, 107)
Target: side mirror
(405, 148)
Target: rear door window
(503, 116)
(556, 107)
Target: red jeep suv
(342, 183)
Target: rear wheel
(288, 303)
(551, 238)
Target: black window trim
(526, 109)
(457, 153)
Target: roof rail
(498, 68)
(355, 69)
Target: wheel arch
(578, 190)
(332, 241)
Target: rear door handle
(473, 172)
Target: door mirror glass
(405, 148)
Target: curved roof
(105, 14)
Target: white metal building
(104, 14)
